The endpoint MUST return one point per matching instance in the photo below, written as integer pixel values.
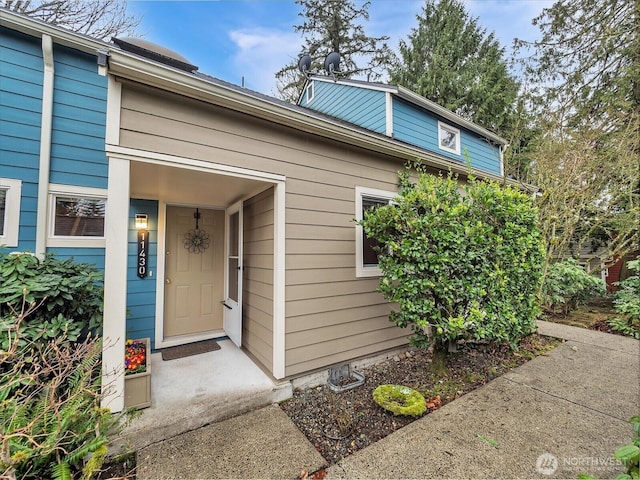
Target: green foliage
(627, 304)
(450, 59)
(334, 25)
(400, 400)
(51, 422)
(567, 285)
(68, 296)
(583, 73)
(464, 260)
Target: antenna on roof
(304, 64)
(332, 64)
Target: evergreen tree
(450, 59)
(333, 26)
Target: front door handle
(225, 304)
(167, 281)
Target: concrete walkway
(554, 417)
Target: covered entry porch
(207, 293)
(188, 393)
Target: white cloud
(261, 52)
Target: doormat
(189, 349)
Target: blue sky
(232, 39)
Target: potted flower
(137, 376)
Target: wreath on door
(196, 240)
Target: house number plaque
(143, 240)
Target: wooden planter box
(137, 386)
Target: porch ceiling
(192, 187)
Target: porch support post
(279, 280)
(115, 285)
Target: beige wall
(331, 315)
(257, 280)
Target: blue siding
(21, 72)
(420, 128)
(83, 255)
(141, 292)
(79, 121)
(359, 106)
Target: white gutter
(45, 146)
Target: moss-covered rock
(400, 400)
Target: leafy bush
(468, 264)
(567, 285)
(51, 423)
(68, 293)
(626, 301)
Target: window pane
(79, 217)
(369, 256)
(234, 220)
(233, 278)
(448, 139)
(3, 203)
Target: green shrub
(567, 285)
(467, 264)
(51, 423)
(626, 301)
(68, 295)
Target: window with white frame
(77, 217)
(366, 256)
(448, 138)
(309, 92)
(10, 194)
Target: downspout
(502, 148)
(45, 146)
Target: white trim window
(77, 216)
(448, 138)
(309, 92)
(10, 194)
(366, 257)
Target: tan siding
(317, 320)
(332, 289)
(304, 202)
(257, 286)
(312, 261)
(320, 275)
(323, 296)
(309, 337)
(321, 355)
(314, 305)
(309, 232)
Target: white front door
(233, 284)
